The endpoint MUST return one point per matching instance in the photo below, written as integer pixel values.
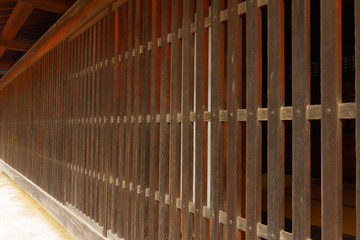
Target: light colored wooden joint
(262, 231)
(149, 46)
(224, 15)
(138, 190)
(285, 235)
(191, 207)
(208, 22)
(179, 117)
(241, 224)
(206, 212)
(180, 33)
(192, 117)
(222, 217)
(193, 28)
(207, 116)
(167, 199)
(262, 3)
(223, 115)
(157, 118)
(262, 114)
(241, 115)
(242, 8)
(169, 38)
(178, 203)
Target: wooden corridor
(157, 119)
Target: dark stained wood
(50, 5)
(104, 120)
(357, 99)
(253, 126)
(201, 66)
(114, 163)
(96, 122)
(276, 77)
(129, 127)
(301, 126)
(65, 27)
(18, 44)
(234, 136)
(17, 18)
(217, 128)
(135, 55)
(145, 128)
(154, 127)
(164, 127)
(175, 109)
(121, 198)
(6, 64)
(331, 129)
(187, 126)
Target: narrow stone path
(22, 218)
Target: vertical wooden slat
(108, 69)
(121, 212)
(86, 121)
(136, 112)
(187, 127)
(164, 127)
(331, 130)
(357, 92)
(217, 128)
(129, 113)
(154, 128)
(234, 139)
(175, 129)
(301, 126)
(201, 66)
(114, 150)
(276, 75)
(82, 138)
(92, 125)
(97, 125)
(145, 110)
(73, 115)
(253, 125)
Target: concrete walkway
(22, 218)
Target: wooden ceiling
(22, 23)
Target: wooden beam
(6, 64)
(50, 5)
(18, 44)
(79, 14)
(16, 20)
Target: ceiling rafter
(17, 20)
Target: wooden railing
(148, 118)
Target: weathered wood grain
(331, 129)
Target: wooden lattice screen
(150, 118)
